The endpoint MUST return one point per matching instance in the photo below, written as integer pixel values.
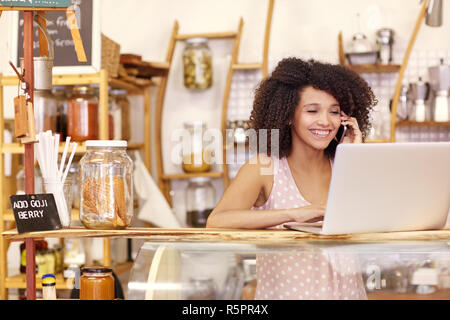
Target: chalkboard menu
(58, 28)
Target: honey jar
(96, 283)
(196, 158)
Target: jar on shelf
(106, 191)
(197, 63)
(82, 114)
(196, 158)
(45, 111)
(200, 201)
(96, 283)
(74, 175)
(60, 94)
(120, 99)
(115, 117)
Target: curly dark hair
(278, 95)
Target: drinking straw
(74, 145)
(63, 158)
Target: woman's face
(316, 119)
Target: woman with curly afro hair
(308, 103)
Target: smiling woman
(307, 102)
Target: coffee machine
(418, 93)
(440, 83)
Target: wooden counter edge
(234, 235)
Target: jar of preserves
(96, 283)
(196, 158)
(106, 191)
(197, 63)
(82, 114)
(60, 94)
(200, 201)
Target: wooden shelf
(422, 124)
(18, 148)
(443, 294)
(181, 176)
(247, 66)
(374, 68)
(20, 282)
(212, 35)
(278, 237)
(79, 79)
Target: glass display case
(318, 269)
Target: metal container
(440, 77)
(43, 65)
(403, 105)
(385, 42)
(433, 17)
(418, 92)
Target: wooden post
(265, 62)
(398, 86)
(3, 247)
(147, 131)
(29, 151)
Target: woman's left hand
(353, 134)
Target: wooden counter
(229, 235)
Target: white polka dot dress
(304, 274)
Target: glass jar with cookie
(106, 185)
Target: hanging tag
(20, 117)
(31, 137)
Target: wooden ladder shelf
(164, 179)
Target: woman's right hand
(312, 213)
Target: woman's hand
(312, 213)
(353, 134)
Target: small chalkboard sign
(65, 59)
(35, 212)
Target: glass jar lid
(200, 180)
(95, 269)
(118, 92)
(106, 144)
(194, 124)
(83, 90)
(197, 40)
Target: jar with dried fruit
(106, 191)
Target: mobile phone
(341, 133)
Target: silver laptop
(383, 187)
